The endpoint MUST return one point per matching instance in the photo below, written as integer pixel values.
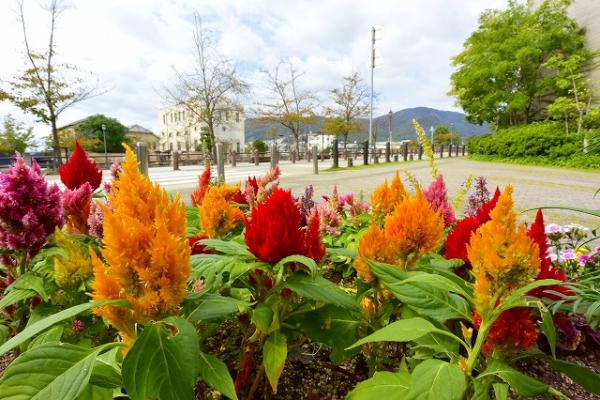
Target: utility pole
(390, 114)
(372, 69)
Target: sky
(131, 48)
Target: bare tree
(47, 87)
(209, 91)
(351, 102)
(289, 105)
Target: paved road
(534, 186)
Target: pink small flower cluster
(30, 209)
(77, 207)
(477, 199)
(437, 196)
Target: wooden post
(420, 152)
(233, 158)
(335, 154)
(388, 150)
(315, 159)
(366, 152)
(141, 152)
(450, 150)
(255, 156)
(220, 163)
(405, 151)
(463, 149)
(456, 150)
(441, 150)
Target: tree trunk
(57, 155)
(345, 141)
(297, 139)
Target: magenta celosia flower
(95, 221)
(306, 203)
(478, 198)
(328, 217)
(30, 209)
(437, 197)
(77, 207)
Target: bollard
(388, 149)
(420, 152)
(441, 151)
(322, 155)
(433, 149)
(405, 151)
(411, 156)
(350, 162)
(308, 155)
(463, 149)
(273, 156)
(233, 158)
(450, 150)
(396, 157)
(293, 156)
(335, 154)
(255, 156)
(141, 152)
(456, 150)
(315, 160)
(366, 152)
(220, 163)
(175, 162)
(376, 156)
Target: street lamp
(390, 126)
(105, 152)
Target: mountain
(402, 127)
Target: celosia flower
(30, 209)
(306, 202)
(95, 220)
(203, 181)
(502, 256)
(274, 231)
(329, 218)
(514, 330)
(75, 266)
(313, 245)
(483, 214)
(146, 252)
(80, 169)
(437, 197)
(217, 214)
(480, 196)
(456, 243)
(412, 230)
(197, 247)
(271, 178)
(77, 208)
(78, 326)
(385, 198)
(115, 170)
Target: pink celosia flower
(478, 198)
(95, 221)
(328, 217)
(77, 207)
(437, 197)
(30, 209)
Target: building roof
(140, 129)
(74, 123)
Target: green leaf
(214, 372)
(163, 363)
(213, 306)
(14, 296)
(93, 392)
(47, 322)
(274, 356)
(341, 252)
(548, 328)
(30, 281)
(435, 344)
(436, 380)
(105, 375)
(333, 326)
(517, 298)
(585, 377)
(320, 289)
(218, 271)
(500, 391)
(50, 371)
(481, 390)
(4, 332)
(521, 383)
(383, 385)
(262, 316)
(404, 330)
(308, 262)
(51, 335)
(228, 247)
(192, 221)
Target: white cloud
(132, 45)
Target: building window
(178, 145)
(184, 115)
(226, 115)
(218, 115)
(237, 117)
(170, 146)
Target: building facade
(180, 130)
(137, 133)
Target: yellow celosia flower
(75, 267)
(217, 214)
(386, 197)
(146, 252)
(412, 230)
(502, 255)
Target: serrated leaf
(213, 306)
(228, 247)
(436, 380)
(214, 372)
(274, 356)
(162, 363)
(383, 385)
(320, 289)
(29, 281)
(218, 271)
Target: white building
(321, 140)
(180, 130)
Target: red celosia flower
(200, 191)
(79, 170)
(514, 330)
(456, 243)
(483, 214)
(537, 233)
(314, 247)
(196, 246)
(274, 230)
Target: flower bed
(125, 290)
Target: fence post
(463, 149)
(141, 152)
(366, 152)
(335, 154)
(255, 156)
(420, 152)
(350, 161)
(233, 158)
(405, 151)
(441, 150)
(293, 156)
(220, 163)
(450, 150)
(388, 151)
(315, 159)
(586, 143)
(175, 156)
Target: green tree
(14, 136)
(116, 133)
(46, 87)
(350, 104)
(501, 74)
(442, 135)
(257, 145)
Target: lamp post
(390, 126)
(105, 151)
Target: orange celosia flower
(203, 181)
(217, 214)
(385, 198)
(412, 230)
(146, 252)
(502, 255)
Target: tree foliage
(501, 76)
(443, 135)
(116, 133)
(14, 136)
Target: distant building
(137, 133)
(180, 130)
(321, 140)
